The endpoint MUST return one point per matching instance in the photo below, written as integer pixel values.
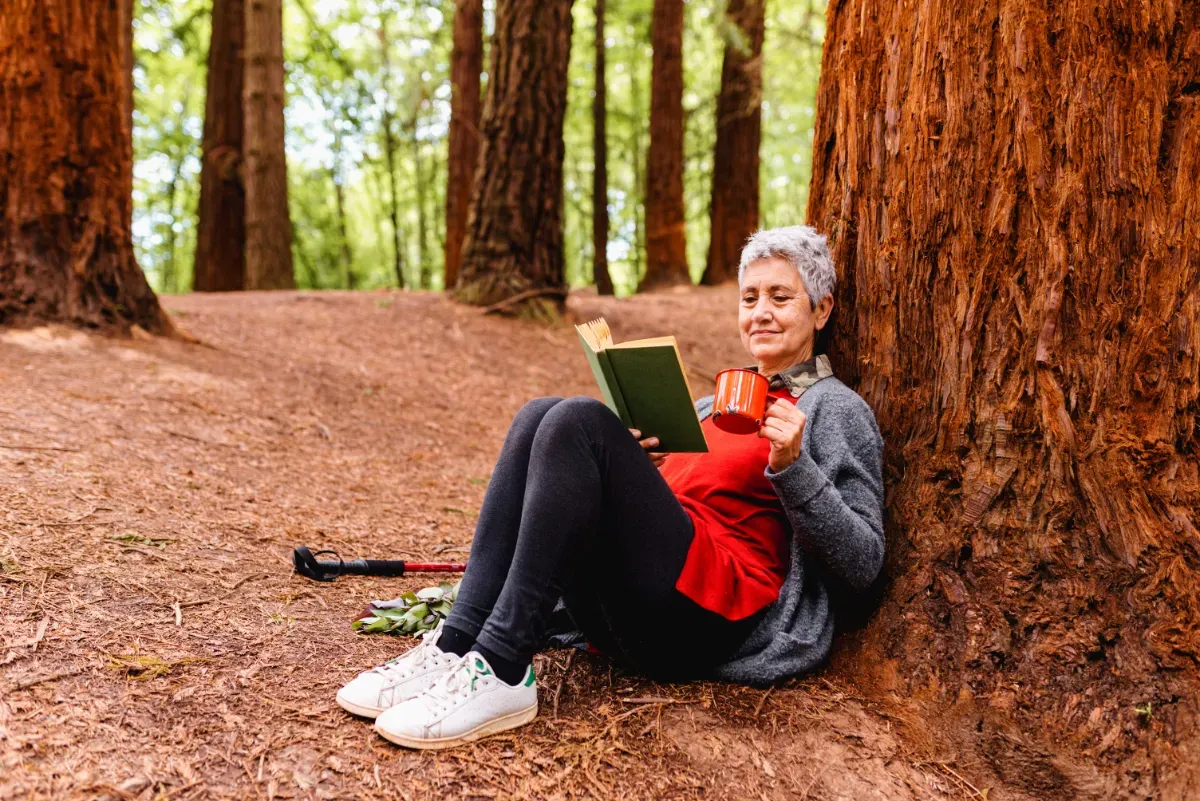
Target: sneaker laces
(458, 683)
(408, 663)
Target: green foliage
(340, 95)
(411, 613)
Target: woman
(682, 565)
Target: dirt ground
(154, 642)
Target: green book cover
(644, 383)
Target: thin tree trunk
(66, 251)
(515, 244)
(639, 180)
(1011, 193)
(466, 63)
(734, 207)
(337, 177)
(424, 257)
(389, 151)
(171, 274)
(220, 263)
(268, 222)
(604, 285)
(666, 237)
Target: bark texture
(514, 244)
(66, 251)
(268, 222)
(604, 284)
(125, 9)
(221, 232)
(1013, 195)
(666, 237)
(733, 209)
(466, 64)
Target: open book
(644, 382)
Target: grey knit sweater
(833, 496)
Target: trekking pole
(309, 566)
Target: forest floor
(154, 642)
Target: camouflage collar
(799, 377)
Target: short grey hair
(800, 246)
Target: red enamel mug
(740, 402)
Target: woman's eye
(781, 299)
(748, 299)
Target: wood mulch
(154, 642)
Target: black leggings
(575, 509)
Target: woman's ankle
(510, 672)
(455, 641)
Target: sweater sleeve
(833, 493)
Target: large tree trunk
(466, 63)
(1012, 194)
(734, 207)
(666, 237)
(514, 243)
(604, 284)
(221, 232)
(268, 223)
(66, 252)
(125, 9)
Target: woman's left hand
(783, 424)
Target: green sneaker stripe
(529, 677)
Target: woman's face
(778, 322)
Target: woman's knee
(531, 413)
(578, 411)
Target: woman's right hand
(647, 444)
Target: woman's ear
(822, 312)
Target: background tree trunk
(734, 207)
(421, 191)
(66, 252)
(514, 242)
(666, 238)
(221, 231)
(1015, 229)
(466, 64)
(388, 121)
(604, 284)
(268, 223)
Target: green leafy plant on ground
(411, 613)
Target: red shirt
(739, 554)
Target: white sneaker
(468, 703)
(399, 679)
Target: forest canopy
(351, 65)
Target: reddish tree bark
(1011, 190)
(604, 284)
(666, 238)
(268, 222)
(66, 252)
(126, 11)
(466, 64)
(221, 231)
(733, 210)
(514, 246)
